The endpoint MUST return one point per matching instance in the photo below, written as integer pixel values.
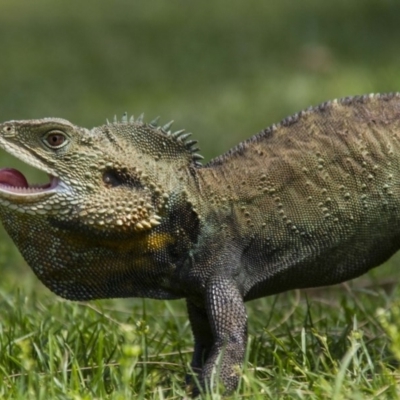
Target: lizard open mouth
(14, 182)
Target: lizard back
(316, 198)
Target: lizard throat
(13, 184)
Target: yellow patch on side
(157, 241)
(138, 245)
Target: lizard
(130, 211)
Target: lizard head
(117, 176)
(107, 186)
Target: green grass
(340, 344)
(224, 69)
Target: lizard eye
(55, 139)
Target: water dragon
(129, 211)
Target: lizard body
(130, 212)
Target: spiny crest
(181, 135)
(327, 105)
(293, 119)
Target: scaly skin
(131, 213)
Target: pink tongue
(12, 177)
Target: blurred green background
(223, 69)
